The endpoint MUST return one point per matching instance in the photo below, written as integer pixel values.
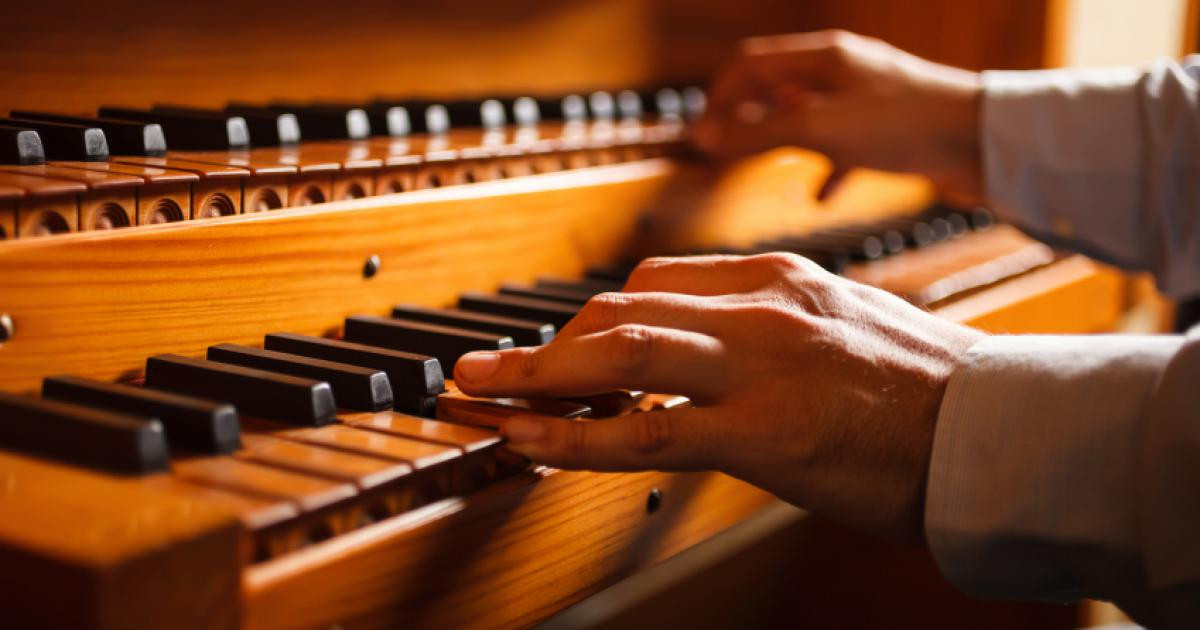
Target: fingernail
(476, 366)
(520, 431)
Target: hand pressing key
(818, 389)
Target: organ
(282, 272)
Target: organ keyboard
(227, 336)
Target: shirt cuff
(1033, 458)
(1058, 143)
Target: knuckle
(773, 316)
(780, 263)
(576, 441)
(528, 364)
(603, 309)
(630, 346)
(652, 432)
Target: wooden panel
(1075, 295)
(76, 545)
(509, 556)
(298, 270)
(360, 48)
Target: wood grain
(75, 545)
(508, 557)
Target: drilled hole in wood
(265, 200)
(354, 191)
(3, 233)
(49, 222)
(318, 532)
(165, 211)
(310, 196)
(435, 181)
(217, 205)
(395, 186)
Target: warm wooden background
(73, 56)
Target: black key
(191, 132)
(424, 406)
(354, 387)
(389, 119)
(570, 108)
(424, 116)
(591, 286)
(666, 102)
(267, 129)
(447, 343)
(629, 105)
(62, 141)
(82, 436)
(566, 296)
(522, 111)
(20, 146)
(488, 114)
(523, 331)
(408, 373)
(555, 313)
(192, 424)
(601, 105)
(124, 137)
(290, 399)
(323, 122)
(616, 272)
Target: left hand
(818, 389)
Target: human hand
(811, 386)
(858, 100)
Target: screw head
(6, 327)
(371, 267)
(654, 501)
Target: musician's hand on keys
(819, 389)
(858, 100)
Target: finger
(664, 310)
(667, 439)
(626, 357)
(697, 275)
(763, 67)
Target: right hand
(860, 101)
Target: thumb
(665, 439)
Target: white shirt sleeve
(1106, 162)
(1069, 467)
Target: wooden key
(455, 406)
(416, 453)
(46, 205)
(62, 141)
(354, 387)
(106, 538)
(124, 137)
(164, 192)
(82, 436)
(365, 472)
(20, 146)
(566, 296)
(306, 492)
(524, 332)
(409, 374)
(469, 439)
(555, 313)
(192, 424)
(218, 193)
(446, 343)
(111, 198)
(290, 399)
